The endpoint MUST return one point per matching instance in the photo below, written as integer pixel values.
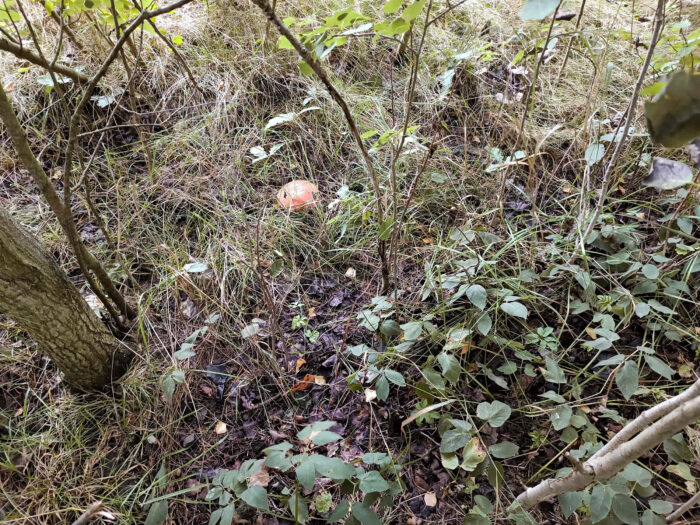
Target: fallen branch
(651, 428)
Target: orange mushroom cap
(298, 195)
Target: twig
(25, 54)
(89, 513)
(629, 117)
(317, 68)
(683, 508)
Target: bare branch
(25, 54)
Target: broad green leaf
(561, 417)
(625, 509)
(553, 372)
(339, 512)
(594, 152)
(256, 496)
(449, 460)
(677, 449)
(372, 481)
(477, 295)
(484, 324)
(297, 505)
(385, 229)
(395, 377)
(376, 458)
(450, 367)
(158, 513)
(413, 10)
(538, 9)
(515, 309)
(382, 388)
(504, 450)
(627, 379)
(495, 413)
(569, 502)
(673, 117)
(658, 366)
(601, 501)
(473, 455)
(660, 506)
(412, 330)
(306, 474)
(334, 468)
(392, 6)
(364, 514)
(681, 470)
(453, 440)
(284, 43)
(650, 271)
(227, 514)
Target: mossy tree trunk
(37, 295)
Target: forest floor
(491, 307)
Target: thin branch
(25, 54)
(605, 466)
(317, 68)
(629, 117)
(683, 508)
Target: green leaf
(515, 309)
(323, 502)
(168, 386)
(382, 388)
(677, 449)
(673, 115)
(334, 468)
(158, 513)
(392, 6)
(477, 295)
(227, 514)
(537, 9)
(339, 512)
(625, 509)
(412, 330)
(385, 229)
(372, 481)
(376, 458)
(215, 516)
(451, 368)
(453, 440)
(256, 496)
(601, 502)
(473, 455)
(627, 379)
(504, 450)
(395, 377)
(364, 514)
(449, 460)
(594, 152)
(413, 10)
(682, 470)
(284, 43)
(561, 417)
(297, 505)
(553, 372)
(660, 506)
(306, 474)
(658, 366)
(569, 502)
(650, 271)
(494, 413)
(484, 324)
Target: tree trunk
(37, 295)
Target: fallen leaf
(207, 391)
(350, 273)
(567, 188)
(312, 312)
(428, 240)
(319, 380)
(19, 411)
(308, 381)
(430, 499)
(591, 333)
(220, 428)
(370, 395)
(262, 478)
(300, 362)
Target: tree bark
(37, 295)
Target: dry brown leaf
(430, 499)
(308, 381)
(262, 478)
(220, 428)
(591, 333)
(300, 362)
(312, 312)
